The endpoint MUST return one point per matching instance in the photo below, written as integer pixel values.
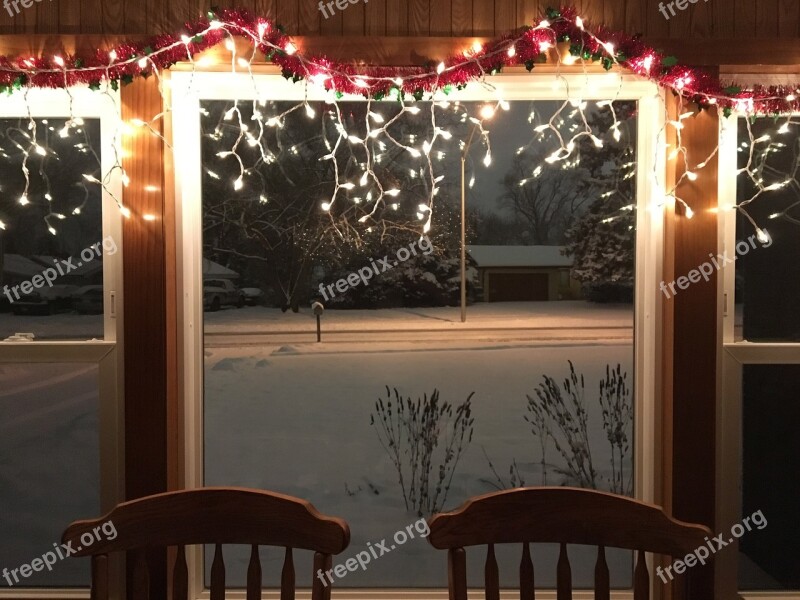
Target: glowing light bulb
(579, 22)
(691, 175)
(762, 236)
(23, 200)
(440, 69)
(290, 48)
(59, 61)
(238, 184)
(310, 111)
(512, 52)
(112, 55)
(477, 47)
(689, 212)
(487, 111)
(142, 62)
(326, 206)
(393, 192)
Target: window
(761, 358)
(270, 407)
(60, 369)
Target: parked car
(88, 300)
(221, 292)
(252, 296)
(48, 301)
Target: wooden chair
(211, 516)
(562, 516)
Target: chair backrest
(559, 515)
(213, 516)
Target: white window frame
(734, 356)
(106, 353)
(190, 87)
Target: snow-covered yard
(297, 419)
(294, 416)
(49, 463)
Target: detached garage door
(518, 287)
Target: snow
(295, 418)
(49, 463)
(501, 315)
(287, 414)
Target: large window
(403, 410)
(60, 286)
(761, 357)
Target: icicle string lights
(107, 69)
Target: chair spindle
(254, 575)
(491, 575)
(527, 586)
(218, 575)
(641, 579)
(180, 576)
(602, 581)
(99, 577)
(287, 576)
(564, 579)
(320, 588)
(141, 576)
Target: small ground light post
(318, 309)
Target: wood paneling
(717, 19)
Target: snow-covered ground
(49, 463)
(296, 418)
(505, 315)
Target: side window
(60, 369)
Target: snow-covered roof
(212, 270)
(16, 264)
(519, 256)
(77, 268)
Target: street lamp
(487, 112)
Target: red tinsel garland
(125, 62)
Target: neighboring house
(79, 273)
(525, 273)
(212, 270)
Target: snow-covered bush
(411, 432)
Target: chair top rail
(211, 516)
(565, 515)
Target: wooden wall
(705, 19)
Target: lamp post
(487, 112)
